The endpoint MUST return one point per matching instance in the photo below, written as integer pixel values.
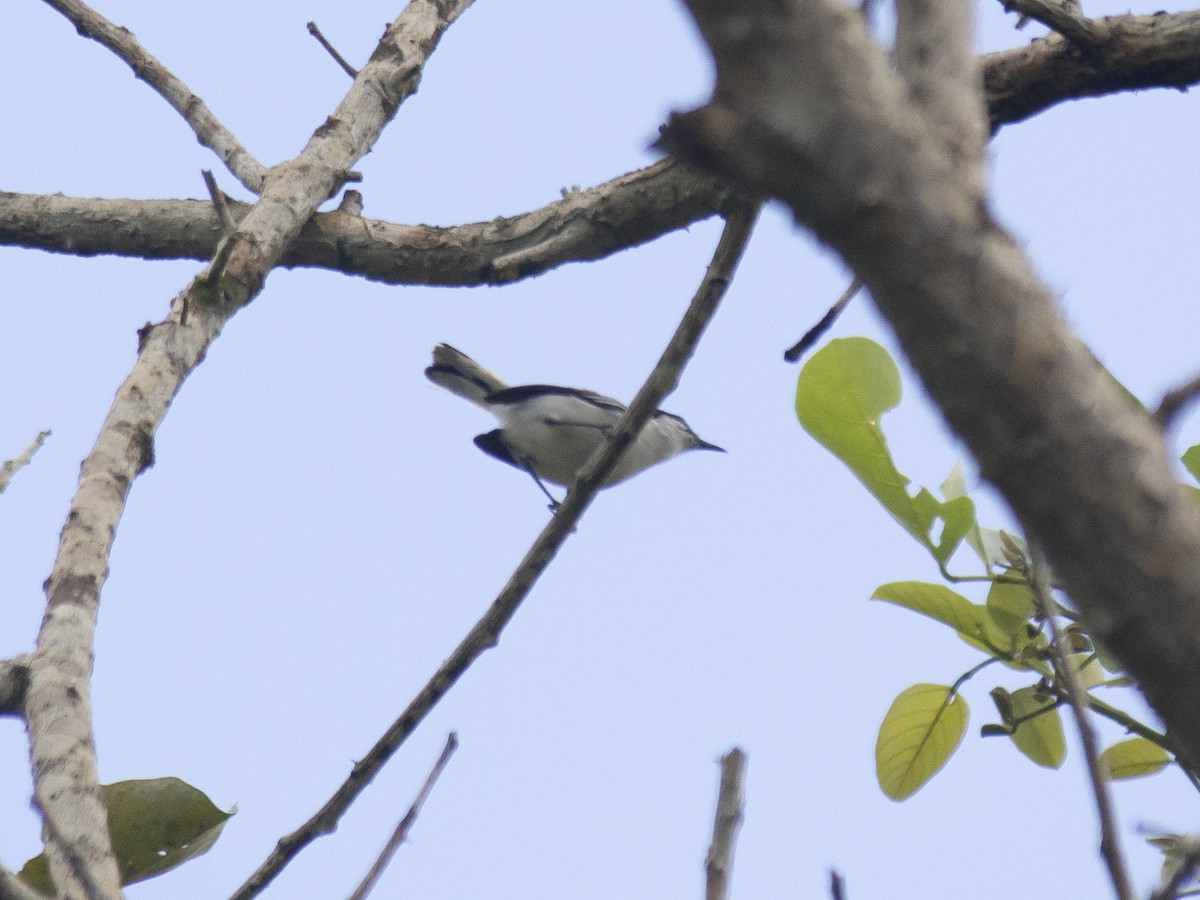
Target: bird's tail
(459, 374)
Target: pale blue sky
(319, 531)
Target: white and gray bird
(551, 432)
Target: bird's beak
(705, 445)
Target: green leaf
(920, 732)
(1191, 460)
(1009, 606)
(1040, 737)
(842, 392)
(984, 541)
(943, 605)
(1133, 758)
(155, 825)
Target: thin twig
(337, 57)
(1064, 17)
(224, 218)
(224, 246)
(210, 132)
(814, 334)
(837, 886)
(718, 863)
(10, 467)
(406, 824)
(1110, 844)
(1173, 403)
(486, 632)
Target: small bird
(550, 432)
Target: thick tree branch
(1130, 53)
(583, 225)
(933, 53)
(209, 132)
(1135, 52)
(485, 634)
(819, 120)
(57, 705)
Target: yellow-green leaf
(941, 604)
(1039, 737)
(921, 730)
(842, 392)
(1009, 606)
(1191, 460)
(1133, 758)
(155, 825)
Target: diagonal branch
(57, 699)
(406, 823)
(209, 131)
(485, 634)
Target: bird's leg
(554, 504)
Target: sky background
(319, 532)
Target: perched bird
(549, 431)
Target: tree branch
(209, 131)
(718, 863)
(405, 825)
(584, 225)
(485, 634)
(1066, 674)
(14, 680)
(57, 701)
(1132, 53)
(808, 110)
(1062, 16)
(10, 467)
(1137, 52)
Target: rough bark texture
(56, 707)
(807, 109)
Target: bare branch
(13, 888)
(406, 824)
(14, 679)
(219, 202)
(10, 467)
(58, 707)
(585, 225)
(485, 634)
(1064, 17)
(933, 53)
(1110, 836)
(816, 118)
(209, 132)
(337, 57)
(730, 800)
(1133, 52)
(1173, 403)
(814, 334)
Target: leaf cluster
(842, 394)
